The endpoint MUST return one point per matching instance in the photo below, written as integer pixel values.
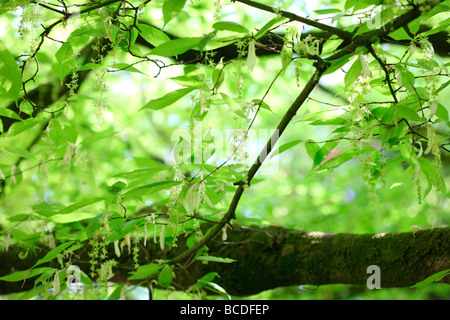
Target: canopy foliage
(153, 129)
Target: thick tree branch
(339, 32)
(272, 257)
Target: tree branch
(272, 257)
(339, 32)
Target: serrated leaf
(336, 64)
(140, 173)
(336, 161)
(442, 25)
(324, 116)
(79, 205)
(188, 81)
(167, 100)
(215, 259)
(171, 8)
(431, 279)
(145, 271)
(72, 217)
(353, 73)
(20, 275)
(327, 11)
(21, 152)
(268, 26)
(409, 114)
(10, 75)
(263, 104)
(175, 47)
(216, 288)
(235, 108)
(286, 56)
(230, 26)
(311, 148)
(331, 45)
(288, 145)
(217, 82)
(127, 67)
(152, 35)
(64, 53)
(442, 112)
(4, 112)
(90, 66)
(53, 253)
(98, 136)
(152, 188)
(19, 217)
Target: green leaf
(10, 75)
(336, 64)
(70, 134)
(409, 114)
(230, 26)
(171, 8)
(126, 67)
(145, 271)
(175, 47)
(152, 188)
(288, 145)
(98, 136)
(337, 160)
(208, 277)
(268, 26)
(251, 56)
(330, 116)
(442, 25)
(21, 152)
(311, 148)
(431, 279)
(19, 217)
(215, 288)
(152, 35)
(79, 205)
(263, 104)
(64, 61)
(286, 56)
(124, 229)
(165, 277)
(215, 77)
(442, 112)
(142, 173)
(234, 106)
(4, 112)
(188, 81)
(20, 275)
(400, 34)
(331, 45)
(53, 253)
(324, 151)
(64, 52)
(408, 79)
(167, 100)
(353, 73)
(215, 259)
(115, 295)
(68, 218)
(327, 11)
(90, 66)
